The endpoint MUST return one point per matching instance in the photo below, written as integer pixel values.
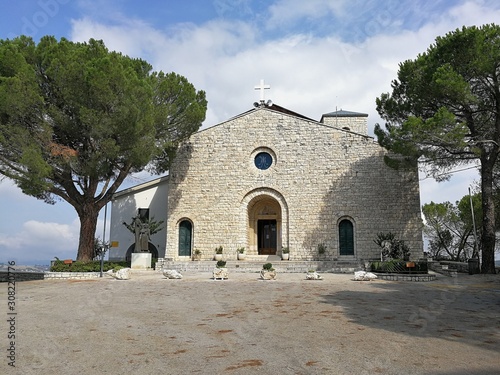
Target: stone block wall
(15, 276)
(354, 124)
(72, 275)
(320, 175)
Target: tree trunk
(488, 206)
(88, 214)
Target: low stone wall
(462, 267)
(20, 276)
(71, 275)
(406, 277)
(448, 268)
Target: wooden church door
(185, 229)
(267, 235)
(346, 238)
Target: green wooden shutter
(346, 238)
(185, 229)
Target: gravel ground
(151, 325)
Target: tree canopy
(450, 228)
(444, 110)
(76, 119)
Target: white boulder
(364, 276)
(122, 274)
(313, 276)
(172, 274)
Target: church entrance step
(256, 266)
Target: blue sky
(317, 55)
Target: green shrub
(268, 267)
(59, 266)
(221, 264)
(321, 248)
(398, 266)
(92, 266)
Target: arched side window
(346, 237)
(185, 238)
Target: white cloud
(310, 73)
(54, 235)
(451, 190)
(58, 234)
(133, 37)
(43, 240)
(475, 12)
(8, 189)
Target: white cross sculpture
(262, 87)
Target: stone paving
(243, 325)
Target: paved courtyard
(151, 325)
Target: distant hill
(35, 268)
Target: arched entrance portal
(267, 237)
(265, 223)
(185, 235)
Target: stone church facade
(271, 178)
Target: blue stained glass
(263, 160)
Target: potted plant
(313, 275)
(285, 253)
(218, 253)
(268, 272)
(321, 249)
(197, 254)
(241, 253)
(220, 271)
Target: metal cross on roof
(262, 87)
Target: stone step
(261, 258)
(256, 266)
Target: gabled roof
(276, 108)
(143, 186)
